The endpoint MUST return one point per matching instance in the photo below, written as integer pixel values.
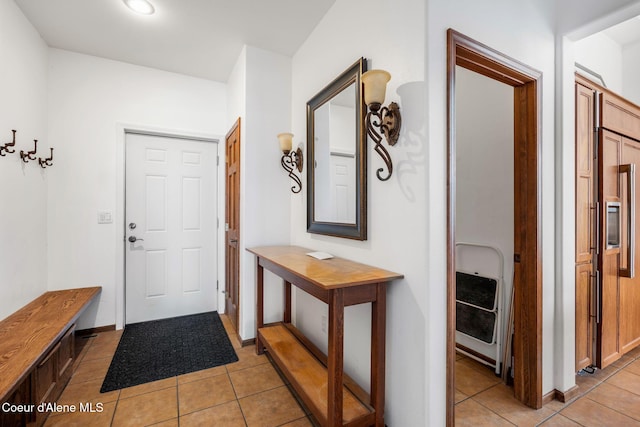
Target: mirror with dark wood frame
(337, 158)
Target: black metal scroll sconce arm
(388, 120)
(289, 161)
(6, 147)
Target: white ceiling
(201, 38)
(626, 32)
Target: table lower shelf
(309, 377)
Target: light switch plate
(105, 217)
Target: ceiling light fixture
(140, 6)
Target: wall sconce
(5, 148)
(291, 159)
(46, 162)
(387, 119)
(29, 155)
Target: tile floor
(609, 397)
(251, 393)
(246, 393)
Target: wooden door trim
(477, 57)
(235, 127)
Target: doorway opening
(484, 230)
(527, 265)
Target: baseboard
(549, 397)
(246, 343)
(568, 395)
(92, 331)
(476, 354)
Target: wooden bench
(37, 353)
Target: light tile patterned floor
(609, 397)
(250, 393)
(247, 393)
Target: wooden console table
(332, 397)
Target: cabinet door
(609, 257)
(584, 316)
(630, 286)
(585, 231)
(620, 115)
(22, 396)
(585, 226)
(66, 356)
(46, 376)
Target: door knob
(133, 239)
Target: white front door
(171, 235)
(343, 187)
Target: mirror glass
(337, 158)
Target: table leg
(378, 338)
(259, 305)
(335, 359)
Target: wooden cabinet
(44, 384)
(614, 298)
(333, 398)
(37, 352)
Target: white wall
(397, 209)
(89, 100)
(630, 69)
(237, 91)
(484, 183)
(602, 55)
(260, 93)
(23, 215)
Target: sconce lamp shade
(375, 85)
(286, 141)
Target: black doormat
(166, 348)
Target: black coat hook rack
(46, 162)
(6, 147)
(29, 155)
